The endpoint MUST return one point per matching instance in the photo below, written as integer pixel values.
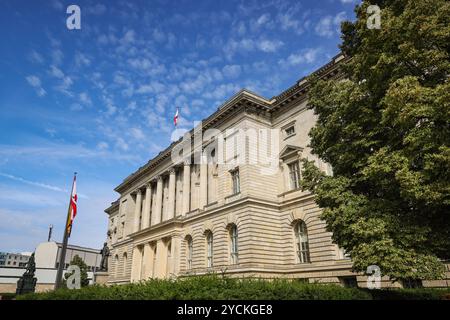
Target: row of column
(156, 215)
(156, 260)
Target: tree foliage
(385, 129)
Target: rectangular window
(234, 255)
(236, 181)
(289, 131)
(209, 240)
(294, 175)
(189, 255)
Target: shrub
(212, 287)
(207, 288)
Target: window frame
(209, 249)
(302, 250)
(189, 252)
(294, 184)
(234, 245)
(235, 181)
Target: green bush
(208, 288)
(7, 296)
(223, 288)
(411, 294)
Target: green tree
(385, 129)
(77, 261)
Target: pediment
(290, 150)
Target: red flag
(73, 206)
(175, 118)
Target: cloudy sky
(100, 100)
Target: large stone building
(210, 208)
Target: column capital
(137, 191)
(149, 184)
(187, 162)
(172, 170)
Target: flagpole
(62, 256)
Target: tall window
(209, 249)
(124, 271)
(301, 235)
(190, 250)
(294, 175)
(234, 255)
(236, 181)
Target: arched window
(234, 254)
(301, 237)
(189, 252)
(209, 249)
(124, 263)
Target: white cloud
(57, 56)
(33, 183)
(329, 25)
(56, 72)
(35, 82)
(231, 71)
(137, 133)
(121, 144)
(102, 145)
(85, 99)
(128, 37)
(269, 45)
(263, 19)
(97, 9)
(303, 57)
(81, 60)
(35, 57)
(222, 91)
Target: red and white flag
(175, 118)
(72, 206)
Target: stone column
(203, 182)
(186, 187)
(146, 213)
(161, 259)
(171, 204)
(146, 262)
(176, 254)
(136, 264)
(137, 210)
(158, 207)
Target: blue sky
(100, 100)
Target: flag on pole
(72, 206)
(175, 118)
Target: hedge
(217, 288)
